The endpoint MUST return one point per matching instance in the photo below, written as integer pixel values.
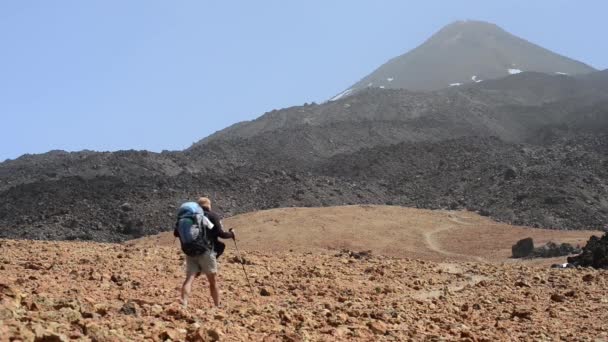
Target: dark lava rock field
(529, 149)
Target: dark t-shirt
(217, 232)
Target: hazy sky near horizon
(109, 74)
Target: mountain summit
(465, 52)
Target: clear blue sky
(126, 74)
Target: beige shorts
(205, 263)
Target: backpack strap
(201, 225)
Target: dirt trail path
(439, 235)
(434, 245)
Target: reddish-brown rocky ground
(439, 286)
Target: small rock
(467, 335)
(341, 332)
(556, 297)
(118, 279)
(48, 336)
(169, 334)
(215, 334)
(509, 173)
(101, 309)
(378, 328)
(33, 266)
(588, 278)
(522, 314)
(265, 292)
(177, 311)
(96, 332)
(156, 309)
(197, 335)
(129, 308)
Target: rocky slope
(389, 116)
(563, 185)
(551, 187)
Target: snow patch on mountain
(341, 95)
(455, 84)
(561, 73)
(514, 71)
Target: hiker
(199, 230)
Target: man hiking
(199, 229)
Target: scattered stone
(197, 335)
(156, 309)
(101, 309)
(33, 266)
(242, 260)
(556, 297)
(169, 334)
(377, 327)
(118, 279)
(588, 278)
(522, 314)
(97, 332)
(355, 255)
(48, 336)
(177, 311)
(129, 308)
(215, 334)
(265, 292)
(510, 173)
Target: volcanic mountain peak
(466, 30)
(466, 52)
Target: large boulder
(595, 253)
(523, 248)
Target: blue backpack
(193, 229)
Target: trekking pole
(242, 264)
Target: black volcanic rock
(451, 174)
(552, 250)
(594, 254)
(513, 108)
(522, 248)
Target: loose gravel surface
(89, 291)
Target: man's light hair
(204, 202)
